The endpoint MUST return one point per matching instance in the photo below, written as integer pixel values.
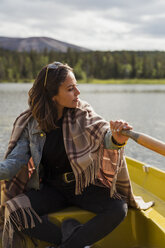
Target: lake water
(143, 106)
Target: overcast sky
(94, 24)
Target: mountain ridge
(38, 44)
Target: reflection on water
(141, 105)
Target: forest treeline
(24, 66)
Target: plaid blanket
(83, 132)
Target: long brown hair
(46, 86)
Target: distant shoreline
(124, 81)
(106, 81)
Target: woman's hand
(116, 127)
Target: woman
(63, 140)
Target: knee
(122, 209)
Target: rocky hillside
(38, 44)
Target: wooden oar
(146, 141)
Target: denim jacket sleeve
(108, 144)
(18, 157)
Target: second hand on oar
(146, 141)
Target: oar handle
(146, 141)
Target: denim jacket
(31, 144)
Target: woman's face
(67, 94)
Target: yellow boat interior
(140, 229)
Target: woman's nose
(77, 92)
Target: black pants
(109, 213)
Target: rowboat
(140, 229)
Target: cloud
(102, 25)
(153, 26)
